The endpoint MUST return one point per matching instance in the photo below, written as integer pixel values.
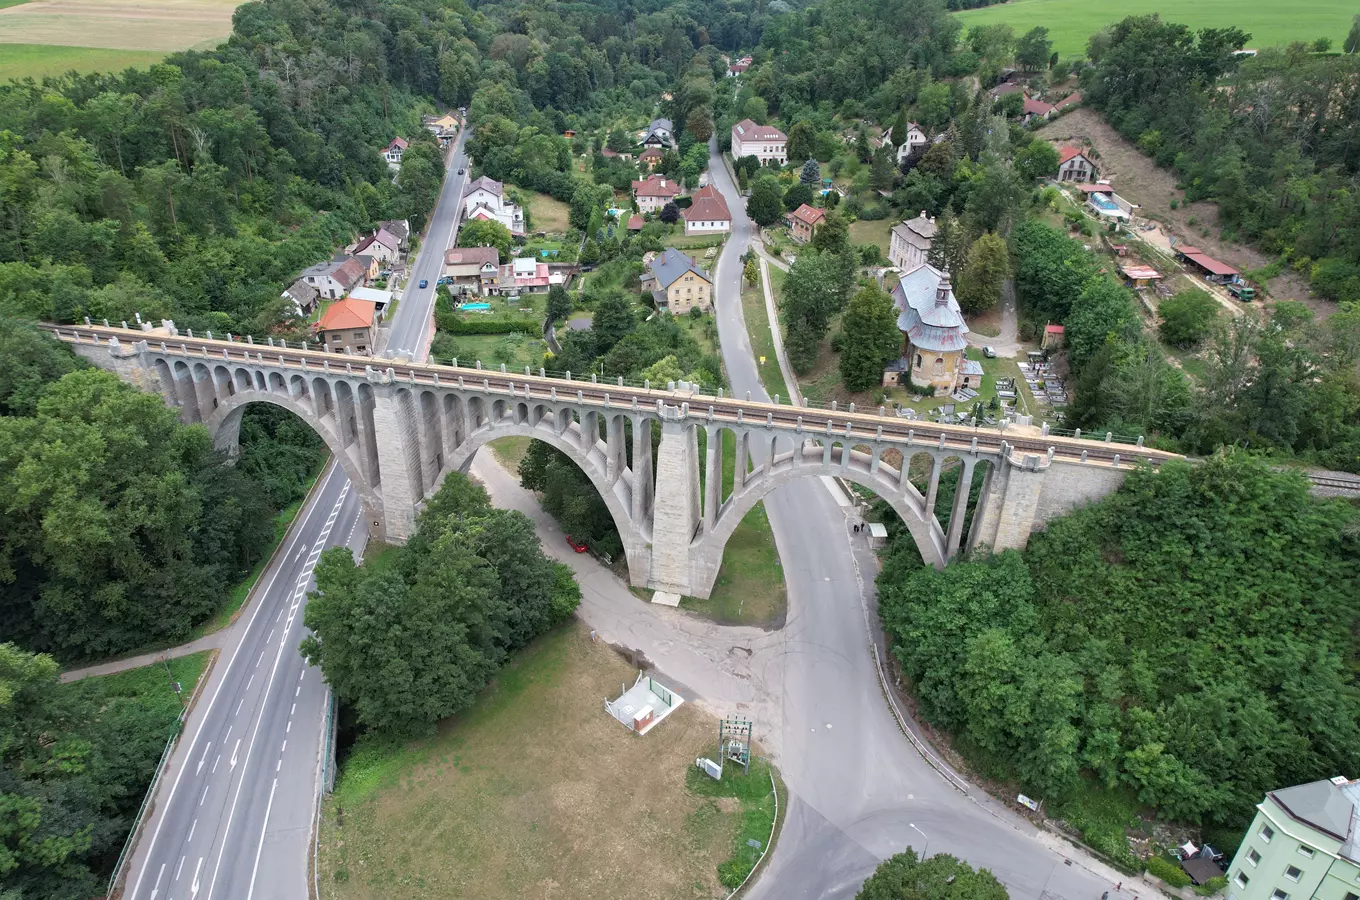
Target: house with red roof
(651, 158)
(1071, 99)
(635, 223)
(803, 222)
(1075, 165)
(765, 142)
(347, 325)
(1034, 109)
(394, 151)
(738, 67)
(654, 192)
(708, 214)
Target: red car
(579, 548)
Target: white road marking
(179, 868)
(158, 881)
(284, 747)
(205, 795)
(260, 849)
(215, 762)
(288, 729)
(233, 752)
(261, 659)
(250, 748)
(190, 838)
(238, 707)
(298, 691)
(204, 758)
(293, 710)
(193, 890)
(271, 635)
(250, 682)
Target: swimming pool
(475, 306)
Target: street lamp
(926, 850)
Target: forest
(1188, 640)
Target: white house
(1075, 165)
(381, 244)
(765, 142)
(485, 199)
(907, 143)
(394, 151)
(909, 244)
(708, 214)
(654, 192)
(335, 278)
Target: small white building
(909, 243)
(485, 199)
(708, 214)
(907, 143)
(642, 707)
(765, 142)
(394, 152)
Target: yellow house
(677, 284)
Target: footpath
(212, 641)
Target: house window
(939, 365)
(1253, 857)
(1241, 879)
(1278, 894)
(1293, 873)
(361, 348)
(918, 360)
(358, 335)
(1306, 851)
(1350, 896)
(1267, 833)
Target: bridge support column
(615, 461)
(712, 475)
(396, 431)
(675, 514)
(934, 489)
(642, 469)
(741, 462)
(960, 510)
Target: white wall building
(765, 142)
(485, 199)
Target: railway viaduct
(398, 428)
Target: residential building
(909, 242)
(1034, 109)
(472, 270)
(1075, 165)
(394, 152)
(654, 192)
(1006, 87)
(485, 199)
(659, 134)
(526, 275)
(1071, 99)
(708, 214)
(739, 67)
(347, 325)
(908, 143)
(803, 222)
(1303, 844)
(765, 142)
(334, 279)
(651, 158)
(444, 127)
(381, 243)
(636, 223)
(372, 268)
(399, 229)
(303, 295)
(933, 331)
(677, 284)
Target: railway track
(838, 424)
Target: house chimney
(942, 290)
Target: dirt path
(1141, 181)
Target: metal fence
(126, 853)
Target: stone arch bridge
(399, 429)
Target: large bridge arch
(541, 425)
(224, 425)
(790, 466)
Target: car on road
(989, 352)
(460, 171)
(424, 282)
(579, 548)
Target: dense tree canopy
(1187, 637)
(869, 338)
(415, 640)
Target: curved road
(858, 791)
(233, 812)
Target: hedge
(456, 324)
(1168, 871)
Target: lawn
(537, 792)
(703, 329)
(876, 232)
(762, 341)
(545, 213)
(39, 61)
(1071, 22)
(510, 451)
(750, 588)
(515, 350)
(151, 686)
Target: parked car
(579, 548)
(424, 282)
(989, 352)
(460, 171)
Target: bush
(1212, 886)
(873, 213)
(456, 324)
(1168, 871)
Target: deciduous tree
(766, 203)
(988, 265)
(869, 338)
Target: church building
(933, 332)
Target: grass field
(537, 792)
(875, 232)
(37, 61)
(1071, 22)
(545, 213)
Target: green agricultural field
(38, 61)
(1071, 22)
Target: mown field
(1071, 22)
(51, 37)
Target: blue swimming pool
(475, 306)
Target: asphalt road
(233, 815)
(858, 791)
(411, 329)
